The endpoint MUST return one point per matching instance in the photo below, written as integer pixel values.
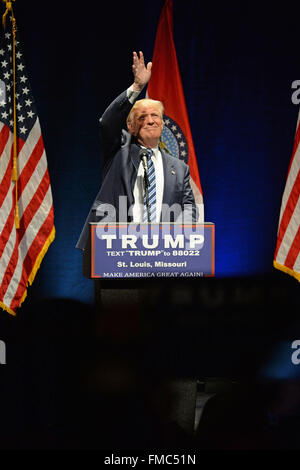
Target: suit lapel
(135, 155)
(135, 160)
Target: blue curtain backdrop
(237, 61)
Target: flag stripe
(6, 170)
(31, 165)
(28, 193)
(30, 204)
(295, 147)
(12, 261)
(6, 159)
(35, 204)
(289, 210)
(31, 257)
(26, 148)
(297, 265)
(24, 247)
(294, 251)
(7, 203)
(4, 135)
(293, 173)
(32, 185)
(5, 234)
(24, 222)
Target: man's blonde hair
(144, 102)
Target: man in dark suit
(127, 127)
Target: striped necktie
(151, 190)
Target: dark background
(237, 61)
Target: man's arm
(114, 117)
(111, 124)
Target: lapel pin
(173, 172)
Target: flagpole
(14, 175)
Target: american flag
(21, 249)
(287, 253)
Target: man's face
(147, 125)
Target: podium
(136, 251)
(125, 259)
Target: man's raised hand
(141, 73)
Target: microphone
(144, 158)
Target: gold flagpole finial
(8, 3)
(8, 8)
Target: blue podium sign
(152, 250)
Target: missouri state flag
(26, 208)
(287, 253)
(165, 85)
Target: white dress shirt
(138, 190)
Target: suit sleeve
(189, 205)
(112, 122)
